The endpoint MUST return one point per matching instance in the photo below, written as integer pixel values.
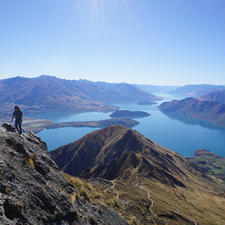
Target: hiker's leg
(16, 126)
(20, 128)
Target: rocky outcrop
(34, 191)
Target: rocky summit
(33, 191)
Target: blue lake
(183, 136)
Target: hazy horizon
(143, 42)
(178, 85)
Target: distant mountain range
(156, 88)
(211, 111)
(216, 96)
(47, 93)
(191, 90)
(196, 90)
(141, 179)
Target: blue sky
(135, 41)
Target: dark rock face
(33, 190)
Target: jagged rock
(33, 190)
(8, 127)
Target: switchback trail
(148, 192)
(151, 201)
(113, 188)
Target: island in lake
(129, 114)
(37, 125)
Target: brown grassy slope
(171, 206)
(128, 172)
(117, 152)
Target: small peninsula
(38, 125)
(210, 163)
(129, 114)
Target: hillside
(142, 180)
(34, 191)
(216, 96)
(210, 163)
(213, 112)
(115, 92)
(196, 90)
(46, 94)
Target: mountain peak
(118, 152)
(44, 76)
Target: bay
(182, 136)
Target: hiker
(18, 115)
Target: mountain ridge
(213, 112)
(111, 138)
(48, 93)
(141, 172)
(195, 90)
(216, 96)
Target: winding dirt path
(148, 192)
(113, 188)
(148, 196)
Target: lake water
(183, 136)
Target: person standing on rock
(18, 115)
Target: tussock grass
(198, 202)
(31, 162)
